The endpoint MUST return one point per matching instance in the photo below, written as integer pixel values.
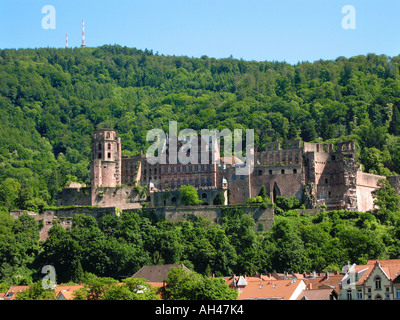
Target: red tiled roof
(318, 294)
(13, 291)
(270, 289)
(323, 282)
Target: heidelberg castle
(315, 173)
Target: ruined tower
(105, 168)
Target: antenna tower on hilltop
(83, 33)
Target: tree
(387, 201)
(132, 289)
(185, 285)
(36, 292)
(95, 288)
(9, 192)
(189, 196)
(219, 199)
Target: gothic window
(109, 155)
(99, 146)
(109, 146)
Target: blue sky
(284, 30)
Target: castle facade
(315, 173)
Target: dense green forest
(51, 100)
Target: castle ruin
(315, 173)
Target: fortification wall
(75, 197)
(172, 198)
(121, 197)
(395, 182)
(366, 183)
(263, 217)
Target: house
(322, 286)
(267, 288)
(317, 294)
(13, 291)
(376, 280)
(157, 273)
(65, 292)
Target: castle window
(109, 146)
(196, 168)
(190, 168)
(202, 167)
(209, 182)
(178, 169)
(282, 171)
(333, 158)
(233, 177)
(329, 193)
(294, 171)
(99, 146)
(165, 169)
(173, 200)
(326, 180)
(270, 171)
(184, 169)
(208, 167)
(109, 155)
(260, 172)
(99, 156)
(204, 196)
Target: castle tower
(105, 168)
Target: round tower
(105, 168)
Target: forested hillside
(51, 100)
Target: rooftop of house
(391, 269)
(315, 294)
(270, 289)
(157, 273)
(13, 291)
